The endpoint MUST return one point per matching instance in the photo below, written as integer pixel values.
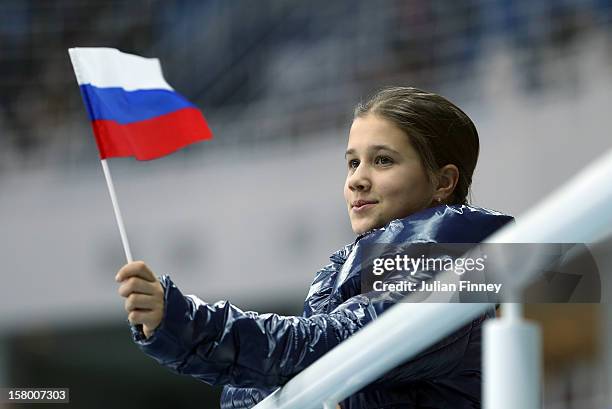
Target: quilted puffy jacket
(253, 354)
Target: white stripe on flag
(108, 67)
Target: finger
(135, 269)
(145, 317)
(137, 285)
(140, 302)
(137, 317)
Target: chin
(362, 228)
(357, 229)
(357, 232)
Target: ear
(448, 176)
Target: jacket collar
(439, 224)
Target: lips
(359, 204)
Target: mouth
(363, 205)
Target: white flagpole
(111, 190)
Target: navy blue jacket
(252, 354)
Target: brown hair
(439, 131)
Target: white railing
(581, 211)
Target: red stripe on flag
(151, 138)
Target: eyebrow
(373, 148)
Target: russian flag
(133, 110)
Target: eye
(353, 163)
(383, 160)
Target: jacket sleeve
(240, 398)
(221, 344)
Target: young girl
(410, 159)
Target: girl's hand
(144, 296)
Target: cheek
(346, 190)
(393, 186)
(406, 188)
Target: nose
(360, 179)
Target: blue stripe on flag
(125, 107)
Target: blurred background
(251, 215)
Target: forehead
(371, 130)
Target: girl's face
(386, 179)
